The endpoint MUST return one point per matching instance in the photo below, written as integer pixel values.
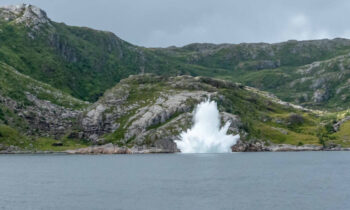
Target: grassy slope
(246, 63)
(342, 137)
(79, 61)
(85, 62)
(269, 121)
(10, 136)
(262, 118)
(15, 85)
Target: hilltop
(72, 87)
(85, 62)
(148, 112)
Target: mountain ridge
(65, 49)
(50, 70)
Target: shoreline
(113, 149)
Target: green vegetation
(16, 85)
(262, 118)
(9, 136)
(79, 61)
(85, 62)
(70, 65)
(144, 96)
(47, 144)
(342, 137)
(269, 121)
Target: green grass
(342, 137)
(46, 144)
(9, 136)
(143, 96)
(15, 86)
(268, 121)
(293, 138)
(69, 65)
(262, 119)
(84, 62)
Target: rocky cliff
(85, 62)
(30, 15)
(48, 72)
(146, 113)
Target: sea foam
(206, 136)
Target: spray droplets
(205, 136)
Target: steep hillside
(151, 111)
(148, 112)
(79, 61)
(311, 73)
(48, 72)
(258, 56)
(30, 110)
(321, 84)
(85, 62)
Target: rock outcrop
(29, 15)
(41, 117)
(156, 120)
(113, 149)
(259, 146)
(55, 61)
(337, 125)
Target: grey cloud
(161, 23)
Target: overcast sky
(162, 23)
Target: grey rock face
(258, 146)
(43, 118)
(320, 95)
(28, 14)
(337, 125)
(155, 122)
(104, 149)
(249, 146)
(49, 118)
(166, 106)
(268, 64)
(236, 124)
(113, 149)
(287, 147)
(101, 117)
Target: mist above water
(206, 136)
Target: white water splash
(205, 136)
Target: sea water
(291, 180)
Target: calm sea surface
(291, 180)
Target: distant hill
(54, 77)
(85, 62)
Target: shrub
(295, 119)
(2, 115)
(322, 136)
(329, 127)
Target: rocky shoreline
(113, 149)
(262, 147)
